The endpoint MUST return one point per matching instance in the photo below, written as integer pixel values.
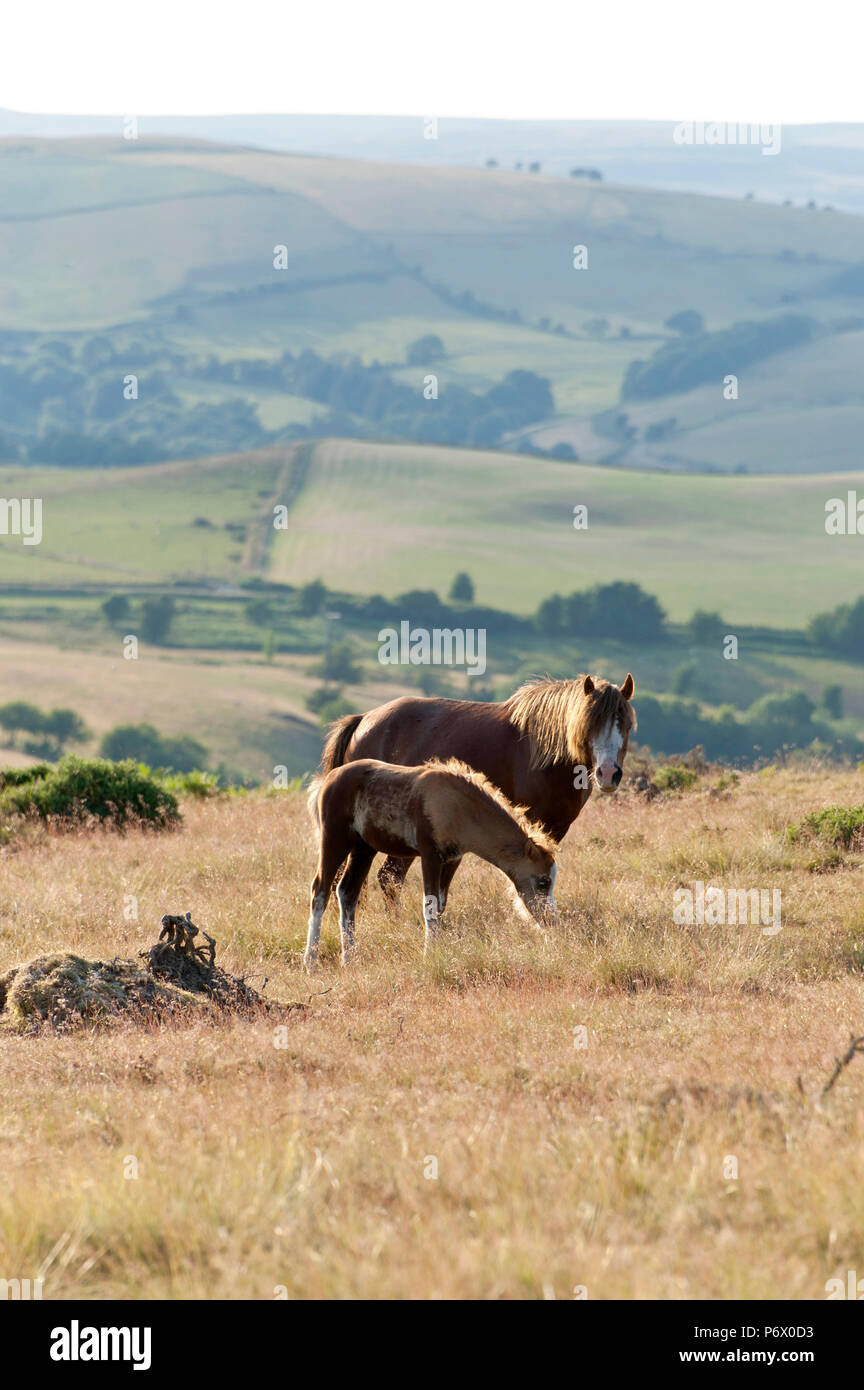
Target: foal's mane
(490, 792)
(561, 720)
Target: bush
(838, 825)
(83, 790)
(675, 778)
(197, 783)
(20, 776)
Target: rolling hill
(377, 517)
(165, 250)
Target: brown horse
(439, 811)
(545, 747)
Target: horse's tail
(312, 802)
(336, 744)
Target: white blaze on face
(607, 747)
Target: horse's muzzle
(608, 776)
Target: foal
(438, 811)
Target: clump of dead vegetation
(174, 980)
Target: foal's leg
(349, 891)
(447, 873)
(391, 877)
(334, 849)
(432, 867)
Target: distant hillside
(821, 162)
(165, 249)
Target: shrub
(83, 790)
(837, 825)
(20, 776)
(196, 783)
(675, 779)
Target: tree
(339, 665)
(832, 701)
(705, 628)
(429, 348)
(115, 609)
(145, 744)
(258, 611)
(64, 726)
(311, 598)
(21, 717)
(687, 322)
(549, 618)
(462, 588)
(620, 607)
(157, 614)
(522, 397)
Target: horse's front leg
(447, 874)
(432, 873)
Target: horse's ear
(587, 685)
(628, 687)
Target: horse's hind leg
(348, 892)
(330, 860)
(391, 877)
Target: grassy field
(388, 518)
(431, 1128)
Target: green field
(388, 518)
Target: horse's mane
(487, 789)
(561, 720)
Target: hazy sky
(768, 60)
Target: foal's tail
(312, 802)
(336, 744)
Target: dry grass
(303, 1165)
